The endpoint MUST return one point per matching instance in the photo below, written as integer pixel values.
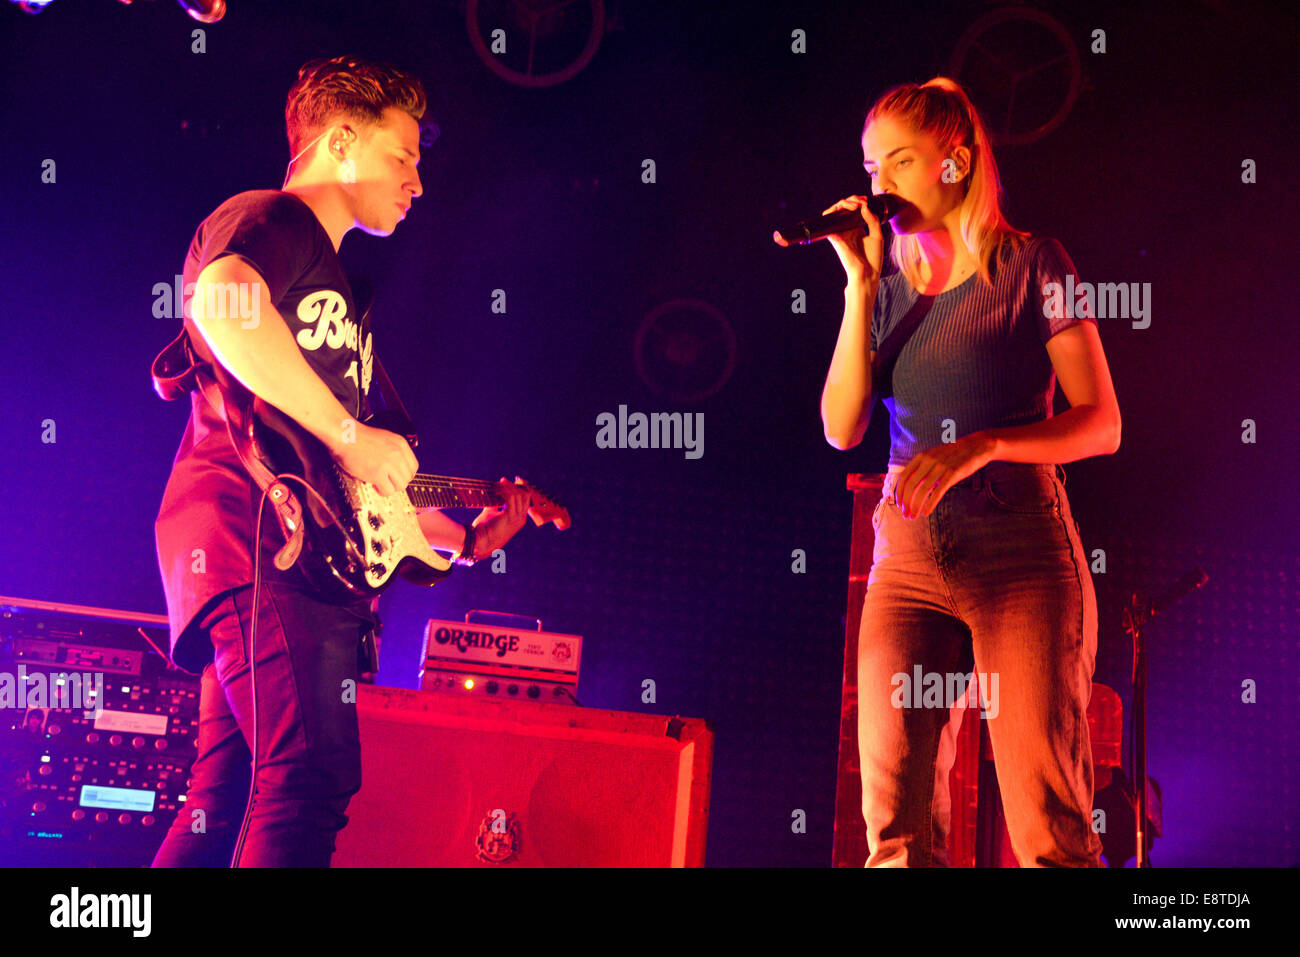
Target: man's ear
(341, 138)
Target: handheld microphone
(885, 207)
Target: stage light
(204, 11)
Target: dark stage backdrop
(669, 296)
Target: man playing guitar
(272, 310)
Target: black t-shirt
(204, 529)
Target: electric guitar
(354, 539)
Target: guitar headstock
(544, 508)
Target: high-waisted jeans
(996, 576)
(309, 750)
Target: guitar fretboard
(442, 491)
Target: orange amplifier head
(481, 659)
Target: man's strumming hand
(382, 458)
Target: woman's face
(911, 166)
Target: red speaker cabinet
(472, 782)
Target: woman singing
(977, 555)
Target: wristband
(466, 556)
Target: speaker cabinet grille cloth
(463, 782)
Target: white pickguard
(397, 536)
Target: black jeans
(309, 752)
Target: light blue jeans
(996, 577)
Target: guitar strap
(392, 402)
(183, 366)
(177, 371)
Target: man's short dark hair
(349, 86)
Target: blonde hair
(940, 108)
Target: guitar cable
(252, 635)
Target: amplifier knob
(78, 815)
(45, 769)
(137, 742)
(92, 738)
(513, 689)
(38, 806)
(115, 739)
(101, 816)
(147, 820)
(533, 691)
(378, 546)
(375, 520)
(378, 569)
(161, 744)
(124, 819)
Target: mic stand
(1140, 610)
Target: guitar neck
(444, 491)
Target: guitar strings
(441, 485)
(422, 476)
(421, 481)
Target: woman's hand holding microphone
(846, 397)
(862, 254)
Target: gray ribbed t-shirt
(978, 357)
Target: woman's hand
(862, 255)
(926, 479)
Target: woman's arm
(1091, 426)
(846, 396)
